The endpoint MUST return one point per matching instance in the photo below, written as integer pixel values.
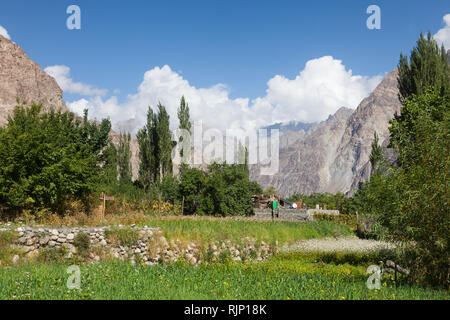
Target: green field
(294, 275)
(211, 229)
(283, 277)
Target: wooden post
(104, 198)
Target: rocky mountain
(333, 156)
(23, 80)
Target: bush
(82, 242)
(48, 160)
(52, 255)
(345, 219)
(123, 236)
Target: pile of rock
(150, 247)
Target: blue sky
(242, 44)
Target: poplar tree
(426, 67)
(123, 157)
(185, 123)
(164, 143)
(147, 139)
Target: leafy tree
(412, 199)
(110, 173)
(192, 183)
(170, 189)
(228, 191)
(49, 159)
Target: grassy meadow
(287, 276)
(293, 275)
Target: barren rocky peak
(23, 80)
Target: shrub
(345, 219)
(52, 255)
(82, 242)
(123, 236)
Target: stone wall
(293, 214)
(150, 246)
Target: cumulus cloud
(4, 32)
(320, 89)
(443, 35)
(61, 74)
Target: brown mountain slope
(23, 79)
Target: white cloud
(4, 32)
(443, 35)
(320, 89)
(61, 74)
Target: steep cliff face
(333, 156)
(22, 79)
(372, 115)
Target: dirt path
(344, 244)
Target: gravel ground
(344, 244)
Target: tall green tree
(165, 142)
(124, 158)
(426, 67)
(376, 154)
(148, 156)
(183, 115)
(185, 122)
(155, 147)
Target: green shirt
(275, 205)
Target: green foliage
(170, 189)
(165, 143)
(208, 229)
(122, 236)
(148, 151)
(281, 277)
(227, 191)
(155, 148)
(376, 154)
(345, 219)
(49, 159)
(123, 158)
(183, 115)
(426, 68)
(410, 198)
(52, 255)
(82, 242)
(224, 190)
(192, 183)
(109, 176)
